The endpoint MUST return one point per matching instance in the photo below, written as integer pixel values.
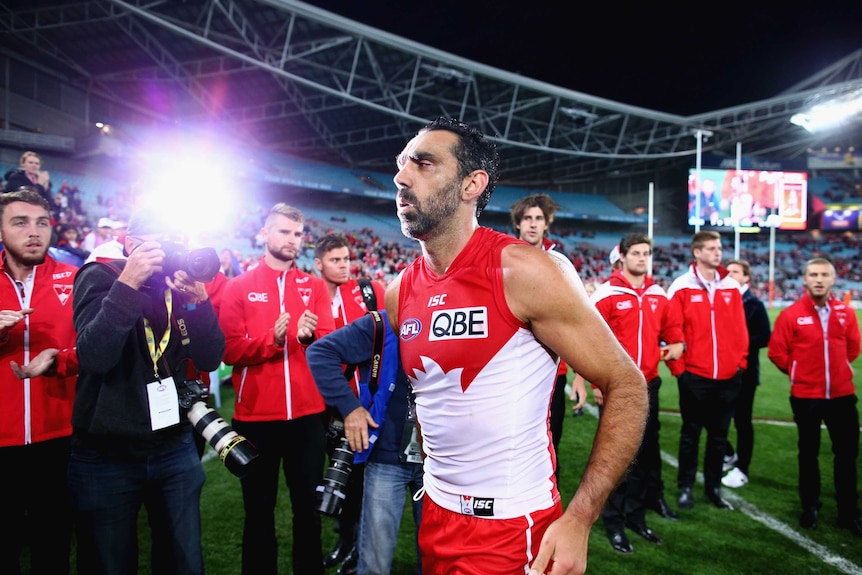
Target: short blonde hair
(26, 155)
(282, 209)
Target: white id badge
(164, 403)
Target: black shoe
(854, 526)
(620, 542)
(661, 507)
(686, 499)
(646, 533)
(808, 519)
(348, 566)
(714, 495)
(337, 555)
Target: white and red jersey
(640, 319)
(483, 386)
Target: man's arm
(105, 312)
(579, 392)
(563, 319)
(351, 345)
(675, 315)
(741, 339)
(391, 300)
(779, 343)
(852, 336)
(206, 341)
(759, 330)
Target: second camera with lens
(332, 491)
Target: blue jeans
(382, 508)
(107, 494)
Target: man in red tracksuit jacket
(814, 341)
(637, 311)
(37, 392)
(269, 316)
(332, 260)
(709, 375)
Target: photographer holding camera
(137, 324)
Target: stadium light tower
(702, 136)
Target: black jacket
(111, 412)
(759, 332)
(17, 178)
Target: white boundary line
(823, 553)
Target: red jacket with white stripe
(639, 318)
(40, 408)
(819, 367)
(716, 335)
(272, 383)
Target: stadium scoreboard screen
(748, 198)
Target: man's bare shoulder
(390, 299)
(532, 263)
(537, 283)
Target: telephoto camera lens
(330, 492)
(235, 451)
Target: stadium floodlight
(440, 71)
(830, 114)
(576, 113)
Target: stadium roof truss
(288, 77)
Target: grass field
(761, 536)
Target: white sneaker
(729, 462)
(735, 478)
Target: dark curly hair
(473, 152)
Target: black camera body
(235, 451)
(331, 492)
(201, 264)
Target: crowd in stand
(383, 260)
(78, 232)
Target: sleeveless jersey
(483, 386)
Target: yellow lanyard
(156, 353)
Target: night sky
(691, 60)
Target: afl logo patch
(410, 328)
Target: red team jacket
(38, 409)
(640, 319)
(353, 307)
(797, 348)
(272, 383)
(716, 335)
(353, 303)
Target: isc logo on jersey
(482, 507)
(459, 323)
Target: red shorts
(456, 544)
